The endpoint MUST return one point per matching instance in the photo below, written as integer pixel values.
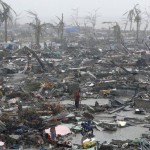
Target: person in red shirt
(77, 99)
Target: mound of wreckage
(35, 85)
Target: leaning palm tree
(5, 15)
(38, 27)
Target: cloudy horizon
(47, 10)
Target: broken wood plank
(120, 108)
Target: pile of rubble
(34, 85)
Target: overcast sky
(49, 9)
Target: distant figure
(77, 99)
(19, 110)
(96, 104)
(53, 133)
(19, 106)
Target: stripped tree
(92, 19)
(131, 16)
(75, 18)
(5, 15)
(147, 21)
(38, 27)
(134, 15)
(137, 19)
(60, 28)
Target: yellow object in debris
(89, 144)
(105, 92)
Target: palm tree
(92, 19)
(147, 20)
(60, 28)
(16, 19)
(5, 15)
(134, 15)
(75, 18)
(131, 15)
(37, 27)
(137, 19)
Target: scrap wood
(118, 109)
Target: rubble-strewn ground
(37, 87)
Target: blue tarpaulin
(72, 30)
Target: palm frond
(6, 11)
(32, 13)
(125, 13)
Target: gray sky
(49, 9)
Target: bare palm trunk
(5, 22)
(37, 38)
(58, 33)
(145, 29)
(125, 26)
(85, 28)
(62, 29)
(130, 25)
(137, 31)
(62, 35)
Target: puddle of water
(91, 102)
(131, 133)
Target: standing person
(19, 110)
(53, 135)
(77, 99)
(53, 131)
